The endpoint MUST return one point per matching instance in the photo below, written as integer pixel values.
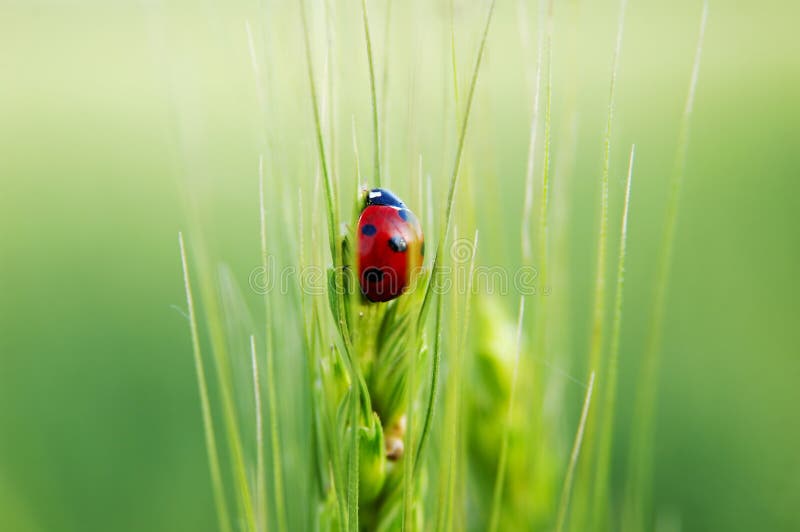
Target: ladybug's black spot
(398, 244)
(403, 214)
(369, 230)
(372, 275)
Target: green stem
(609, 399)
(599, 318)
(641, 445)
(434, 385)
(566, 491)
(223, 516)
(277, 468)
(451, 193)
(373, 93)
(261, 478)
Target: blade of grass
(641, 444)
(223, 516)
(310, 348)
(406, 518)
(528, 206)
(452, 448)
(540, 330)
(222, 362)
(352, 464)
(251, 47)
(453, 60)
(330, 196)
(443, 232)
(540, 325)
(355, 152)
(434, 385)
(563, 505)
(599, 310)
(609, 397)
(544, 202)
(277, 468)
(456, 331)
(332, 108)
(317, 324)
(261, 480)
(330, 200)
(408, 466)
(314, 325)
(437, 353)
(385, 81)
(222, 359)
(373, 93)
(497, 494)
(301, 260)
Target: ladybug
(390, 246)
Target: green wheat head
(433, 411)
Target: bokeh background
(114, 117)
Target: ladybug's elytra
(390, 246)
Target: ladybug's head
(381, 196)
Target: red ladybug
(390, 246)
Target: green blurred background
(115, 116)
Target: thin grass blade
(261, 478)
(599, 311)
(373, 93)
(208, 423)
(566, 491)
(642, 432)
(444, 230)
(610, 391)
(277, 458)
